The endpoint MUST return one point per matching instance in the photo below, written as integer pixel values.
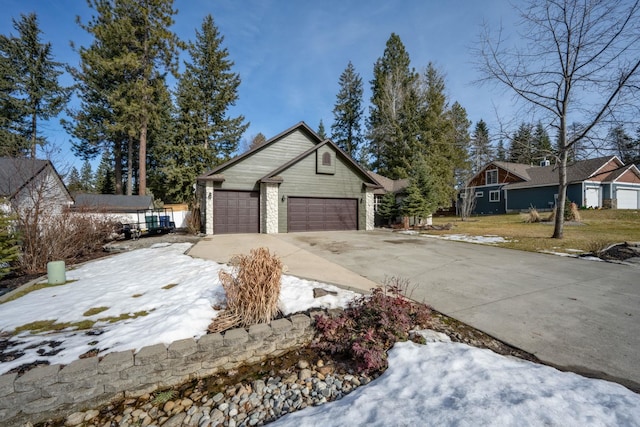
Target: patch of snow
(444, 384)
(172, 293)
(485, 240)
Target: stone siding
(56, 391)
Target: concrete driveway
(575, 314)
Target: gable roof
(112, 202)
(273, 175)
(540, 176)
(214, 173)
(17, 172)
(518, 169)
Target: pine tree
(205, 135)
(34, 92)
(501, 151)
(438, 154)
(9, 249)
(542, 149)
(460, 127)
(521, 148)
(388, 208)
(74, 183)
(86, 178)
(414, 204)
(392, 115)
(625, 147)
(481, 150)
(346, 129)
(105, 179)
(321, 131)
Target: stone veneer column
(269, 192)
(208, 207)
(370, 222)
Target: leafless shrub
(253, 290)
(60, 235)
(193, 220)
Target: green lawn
(596, 229)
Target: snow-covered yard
(161, 295)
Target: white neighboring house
(124, 209)
(32, 185)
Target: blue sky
(290, 53)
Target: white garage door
(593, 197)
(628, 199)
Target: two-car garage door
(239, 212)
(319, 214)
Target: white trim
(629, 168)
(494, 192)
(486, 176)
(479, 194)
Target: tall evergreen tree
(623, 145)
(521, 147)
(9, 247)
(322, 133)
(123, 72)
(462, 139)
(439, 155)
(481, 150)
(206, 135)
(392, 114)
(542, 149)
(74, 183)
(105, 180)
(501, 151)
(87, 178)
(31, 89)
(346, 130)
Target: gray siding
(245, 174)
(302, 180)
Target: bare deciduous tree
(579, 61)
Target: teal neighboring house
(502, 187)
(295, 181)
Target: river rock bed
(243, 397)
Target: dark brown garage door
(236, 212)
(311, 214)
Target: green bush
(369, 326)
(9, 249)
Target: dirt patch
(621, 252)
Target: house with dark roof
(26, 183)
(295, 181)
(502, 187)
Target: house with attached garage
(502, 187)
(295, 181)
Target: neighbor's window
(479, 193)
(494, 196)
(377, 199)
(326, 159)
(492, 176)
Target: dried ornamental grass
(252, 288)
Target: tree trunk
(117, 167)
(558, 230)
(130, 166)
(142, 160)
(34, 140)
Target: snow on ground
(175, 292)
(452, 384)
(485, 240)
(441, 383)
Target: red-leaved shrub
(369, 326)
